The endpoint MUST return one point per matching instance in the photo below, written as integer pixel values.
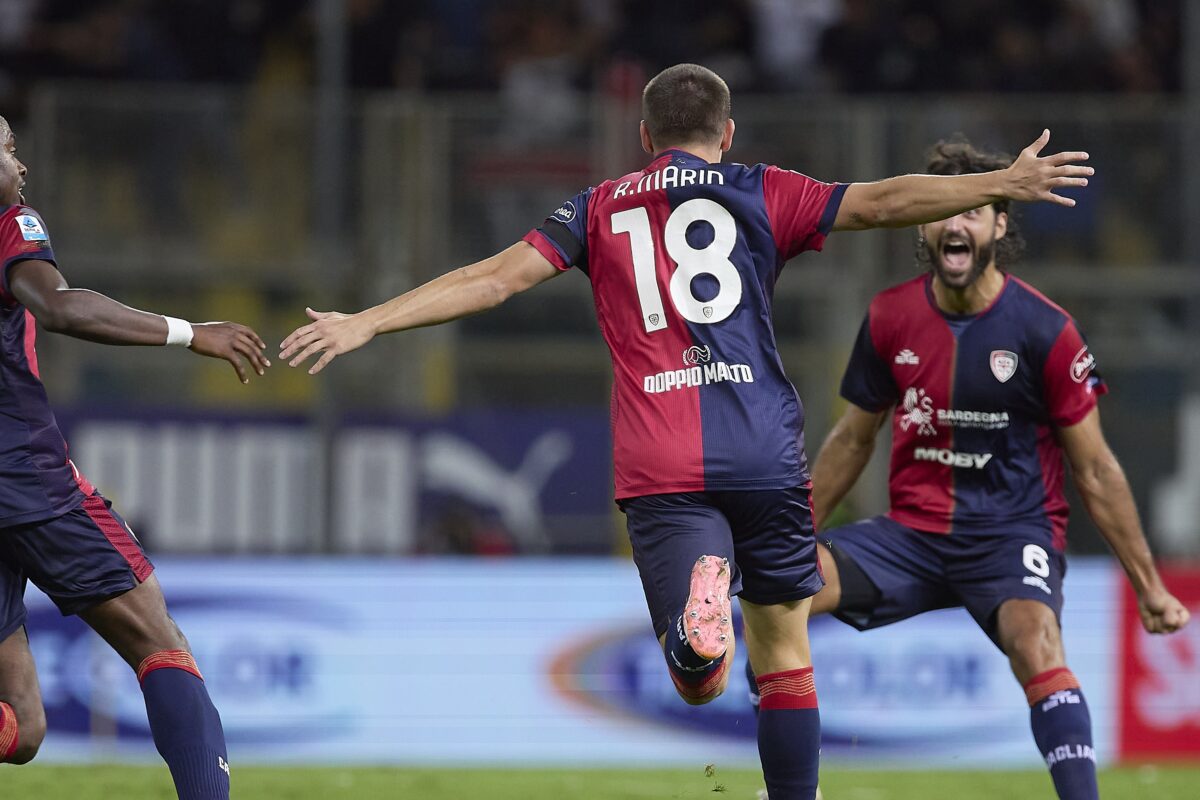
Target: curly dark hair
(957, 156)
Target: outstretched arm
(843, 457)
(84, 314)
(461, 293)
(1105, 492)
(916, 199)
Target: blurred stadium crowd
(853, 46)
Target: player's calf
(185, 725)
(697, 646)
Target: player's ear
(727, 137)
(1001, 224)
(644, 132)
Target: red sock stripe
(792, 689)
(168, 659)
(1055, 680)
(119, 537)
(8, 731)
(709, 685)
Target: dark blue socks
(1062, 728)
(694, 677)
(789, 734)
(185, 725)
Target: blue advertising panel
(469, 483)
(532, 661)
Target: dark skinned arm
(84, 314)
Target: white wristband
(179, 331)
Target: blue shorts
(917, 572)
(79, 559)
(767, 535)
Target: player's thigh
(136, 623)
(668, 532)
(774, 544)
(89, 563)
(886, 572)
(826, 601)
(989, 569)
(19, 688)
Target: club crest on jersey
(918, 410)
(565, 212)
(31, 228)
(1082, 365)
(697, 355)
(1004, 364)
(907, 356)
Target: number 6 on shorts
(1036, 560)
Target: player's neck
(970, 299)
(710, 153)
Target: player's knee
(31, 730)
(1036, 648)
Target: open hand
(331, 334)
(1035, 177)
(1162, 612)
(235, 343)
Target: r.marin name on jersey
(683, 257)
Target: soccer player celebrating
(709, 458)
(59, 532)
(988, 384)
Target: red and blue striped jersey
(37, 479)
(683, 257)
(976, 400)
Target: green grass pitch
(331, 783)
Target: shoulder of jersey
(20, 211)
(1038, 300)
(902, 298)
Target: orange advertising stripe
(168, 659)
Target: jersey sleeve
(1070, 379)
(868, 382)
(23, 237)
(801, 210)
(562, 237)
